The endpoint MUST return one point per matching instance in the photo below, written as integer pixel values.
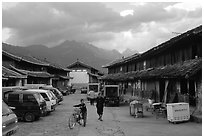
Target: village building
(11, 78)
(61, 77)
(36, 71)
(32, 68)
(170, 72)
(83, 74)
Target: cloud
(126, 12)
(97, 23)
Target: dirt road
(116, 122)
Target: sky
(110, 25)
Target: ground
(116, 122)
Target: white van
(49, 99)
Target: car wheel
(29, 117)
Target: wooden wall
(178, 53)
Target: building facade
(12, 78)
(37, 71)
(169, 72)
(83, 74)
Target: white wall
(79, 77)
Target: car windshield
(111, 91)
(93, 88)
(53, 96)
(6, 110)
(57, 91)
(45, 96)
(38, 97)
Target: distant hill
(68, 52)
(129, 52)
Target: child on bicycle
(83, 108)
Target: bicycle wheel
(72, 121)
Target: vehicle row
(27, 104)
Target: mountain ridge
(68, 52)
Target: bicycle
(76, 117)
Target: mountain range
(68, 52)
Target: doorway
(161, 89)
(192, 99)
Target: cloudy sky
(109, 25)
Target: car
(73, 90)
(112, 95)
(57, 93)
(92, 95)
(27, 105)
(93, 90)
(49, 99)
(33, 86)
(9, 120)
(10, 89)
(54, 96)
(84, 90)
(63, 90)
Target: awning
(7, 73)
(185, 69)
(38, 74)
(95, 75)
(4, 78)
(66, 77)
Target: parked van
(55, 97)
(49, 98)
(57, 93)
(10, 89)
(27, 105)
(9, 121)
(33, 86)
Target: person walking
(100, 101)
(83, 109)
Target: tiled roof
(28, 59)
(185, 69)
(122, 60)
(66, 77)
(82, 64)
(159, 48)
(39, 74)
(7, 73)
(56, 66)
(95, 75)
(32, 60)
(8, 54)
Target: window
(28, 98)
(13, 97)
(121, 68)
(44, 95)
(144, 65)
